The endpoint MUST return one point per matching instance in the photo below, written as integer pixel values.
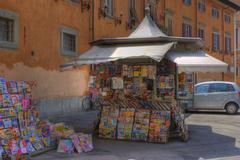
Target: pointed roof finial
(148, 10)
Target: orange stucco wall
(40, 23)
(39, 56)
(107, 27)
(181, 11)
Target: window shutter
(216, 42)
(132, 9)
(230, 45)
(226, 45)
(203, 34)
(76, 1)
(237, 37)
(190, 31)
(213, 44)
(132, 4)
(102, 4)
(183, 30)
(169, 26)
(113, 7)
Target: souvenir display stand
(20, 133)
(138, 100)
(109, 118)
(70, 142)
(185, 90)
(141, 125)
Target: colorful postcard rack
(141, 125)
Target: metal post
(176, 83)
(193, 82)
(155, 83)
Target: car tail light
(238, 94)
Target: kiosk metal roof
(148, 41)
(196, 62)
(102, 54)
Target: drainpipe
(196, 18)
(222, 27)
(235, 45)
(195, 74)
(223, 38)
(93, 19)
(164, 10)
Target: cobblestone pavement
(213, 136)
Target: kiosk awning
(196, 62)
(101, 54)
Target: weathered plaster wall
(40, 23)
(50, 83)
(39, 56)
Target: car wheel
(231, 108)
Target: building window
(75, 1)
(201, 6)
(215, 13)
(108, 7)
(6, 30)
(186, 30)
(238, 39)
(169, 22)
(228, 43)
(132, 4)
(187, 2)
(215, 41)
(169, 26)
(132, 14)
(201, 33)
(237, 71)
(9, 28)
(227, 18)
(68, 41)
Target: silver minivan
(217, 95)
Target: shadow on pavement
(211, 112)
(208, 144)
(204, 143)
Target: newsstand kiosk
(138, 100)
(136, 82)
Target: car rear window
(221, 87)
